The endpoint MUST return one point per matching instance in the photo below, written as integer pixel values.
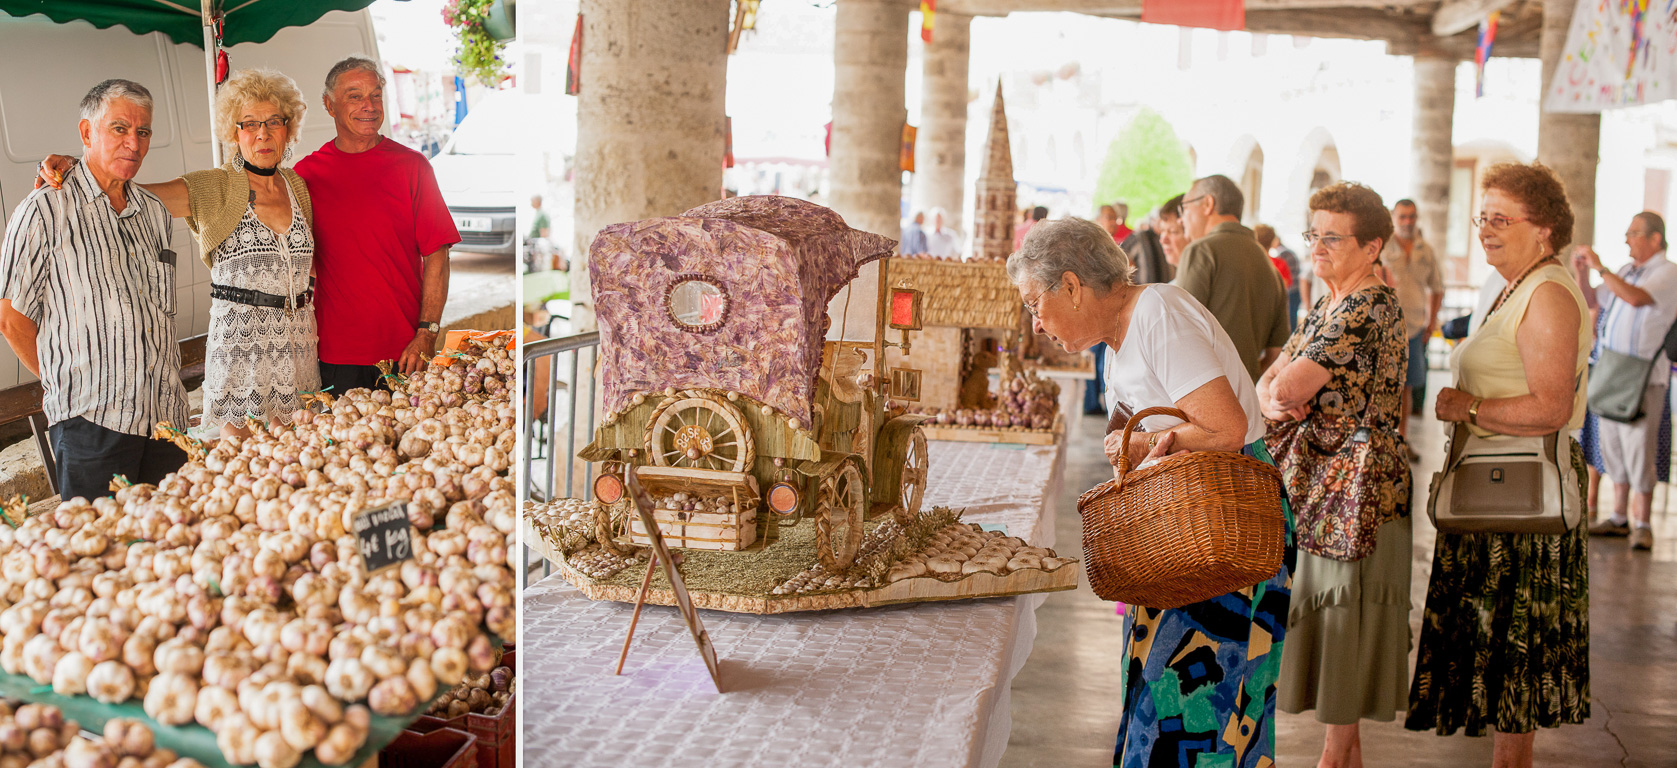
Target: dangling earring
(287, 157)
(238, 161)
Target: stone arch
(1317, 165)
(1246, 161)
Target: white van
(46, 68)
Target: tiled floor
(1066, 700)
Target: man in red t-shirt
(382, 234)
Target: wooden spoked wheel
(839, 512)
(915, 465)
(700, 433)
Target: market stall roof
(246, 21)
(777, 262)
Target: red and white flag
(1227, 15)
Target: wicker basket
(1189, 528)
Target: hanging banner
(1227, 15)
(1619, 53)
(905, 157)
(573, 63)
(1482, 53)
(928, 15)
(727, 142)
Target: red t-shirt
(1281, 266)
(1122, 233)
(376, 215)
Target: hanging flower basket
(479, 54)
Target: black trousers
(343, 378)
(88, 455)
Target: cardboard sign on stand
(661, 555)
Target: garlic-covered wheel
(915, 470)
(700, 433)
(839, 512)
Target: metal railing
(549, 366)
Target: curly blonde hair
(249, 86)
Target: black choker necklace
(261, 171)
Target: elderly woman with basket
(1505, 636)
(1200, 682)
(1333, 400)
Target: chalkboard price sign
(384, 536)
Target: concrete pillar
(1570, 144)
(1433, 148)
(650, 118)
(870, 60)
(940, 151)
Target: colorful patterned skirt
(1199, 682)
(1505, 640)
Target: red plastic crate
(497, 735)
(441, 748)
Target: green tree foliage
(1145, 166)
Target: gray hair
(94, 103)
(350, 65)
(1230, 201)
(1079, 246)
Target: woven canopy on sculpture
(777, 262)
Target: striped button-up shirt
(100, 287)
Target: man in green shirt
(1226, 269)
(542, 224)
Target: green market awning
(245, 21)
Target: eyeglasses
(1634, 233)
(273, 123)
(1193, 200)
(1331, 242)
(1032, 303)
(1495, 223)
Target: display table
(923, 685)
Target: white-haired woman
(252, 220)
(1200, 679)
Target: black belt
(261, 299)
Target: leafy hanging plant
(479, 55)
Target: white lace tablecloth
(922, 685)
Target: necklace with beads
(1509, 290)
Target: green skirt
(1505, 641)
(1347, 654)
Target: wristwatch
(432, 327)
(1473, 411)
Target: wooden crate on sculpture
(699, 508)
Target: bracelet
(1152, 441)
(1473, 411)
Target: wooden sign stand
(661, 554)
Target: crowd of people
(318, 272)
(1216, 332)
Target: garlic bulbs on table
(232, 594)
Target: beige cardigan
(219, 197)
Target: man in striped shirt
(87, 302)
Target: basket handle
(1129, 427)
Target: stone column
(940, 151)
(1433, 147)
(870, 59)
(1570, 144)
(649, 116)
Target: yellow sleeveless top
(1488, 363)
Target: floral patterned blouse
(1345, 466)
